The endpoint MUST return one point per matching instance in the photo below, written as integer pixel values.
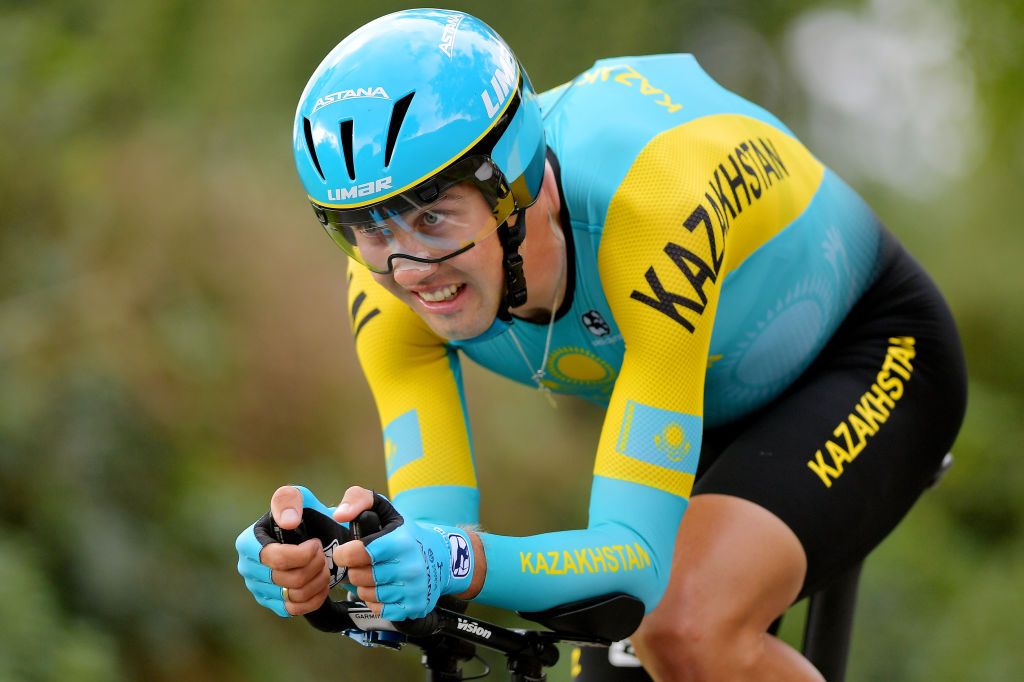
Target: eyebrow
(414, 213)
(450, 196)
(446, 197)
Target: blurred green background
(173, 343)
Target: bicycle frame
(449, 637)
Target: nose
(410, 272)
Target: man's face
(458, 298)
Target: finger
(315, 572)
(297, 608)
(286, 507)
(356, 501)
(367, 594)
(301, 589)
(361, 577)
(285, 557)
(352, 554)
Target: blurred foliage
(173, 342)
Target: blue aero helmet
(402, 110)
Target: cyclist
(772, 362)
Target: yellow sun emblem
(672, 441)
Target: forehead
(461, 196)
(463, 192)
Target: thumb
(356, 501)
(286, 507)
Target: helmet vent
(311, 147)
(346, 146)
(397, 117)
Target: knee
(698, 645)
(666, 643)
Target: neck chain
(538, 374)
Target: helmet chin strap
(511, 238)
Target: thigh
(843, 455)
(736, 567)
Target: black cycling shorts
(843, 453)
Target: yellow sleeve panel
(675, 227)
(412, 377)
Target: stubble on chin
(453, 331)
(461, 326)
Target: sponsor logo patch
(461, 562)
(448, 35)
(595, 324)
(473, 628)
(342, 95)
(337, 572)
(503, 83)
(365, 189)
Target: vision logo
(672, 442)
(473, 628)
(595, 324)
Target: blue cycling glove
(316, 522)
(415, 563)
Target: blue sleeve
(627, 547)
(451, 504)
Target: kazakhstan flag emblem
(672, 442)
(660, 437)
(402, 442)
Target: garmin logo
(343, 95)
(502, 83)
(448, 36)
(366, 620)
(473, 629)
(365, 189)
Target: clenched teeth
(442, 294)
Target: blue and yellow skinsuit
(711, 259)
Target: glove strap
(461, 561)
